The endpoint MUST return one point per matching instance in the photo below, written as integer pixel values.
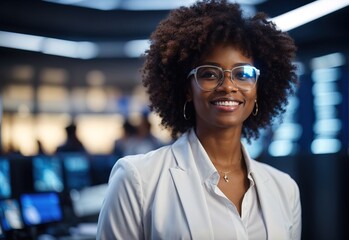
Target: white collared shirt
(225, 219)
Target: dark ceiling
(322, 36)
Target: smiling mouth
(226, 103)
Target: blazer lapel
(190, 191)
(272, 216)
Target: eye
(244, 73)
(208, 73)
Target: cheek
(199, 99)
(250, 106)
(194, 92)
(250, 101)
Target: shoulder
(143, 166)
(157, 159)
(277, 181)
(139, 175)
(267, 169)
(146, 159)
(272, 173)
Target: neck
(223, 148)
(235, 166)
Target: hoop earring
(184, 110)
(256, 109)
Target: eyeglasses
(210, 77)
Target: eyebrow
(218, 65)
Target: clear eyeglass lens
(208, 78)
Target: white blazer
(159, 195)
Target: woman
(214, 77)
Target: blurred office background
(75, 65)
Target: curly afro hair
(188, 33)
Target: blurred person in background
(136, 139)
(40, 147)
(126, 143)
(72, 143)
(214, 76)
(148, 141)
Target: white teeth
(227, 103)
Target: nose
(227, 84)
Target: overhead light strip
(52, 46)
(308, 13)
(89, 50)
(138, 5)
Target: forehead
(226, 55)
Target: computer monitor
(2, 234)
(10, 215)
(76, 170)
(101, 166)
(21, 174)
(47, 174)
(41, 208)
(88, 201)
(5, 178)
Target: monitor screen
(101, 166)
(40, 208)
(10, 215)
(47, 174)
(76, 170)
(5, 178)
(2, 234)
(88, 201)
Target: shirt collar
(203, 163)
